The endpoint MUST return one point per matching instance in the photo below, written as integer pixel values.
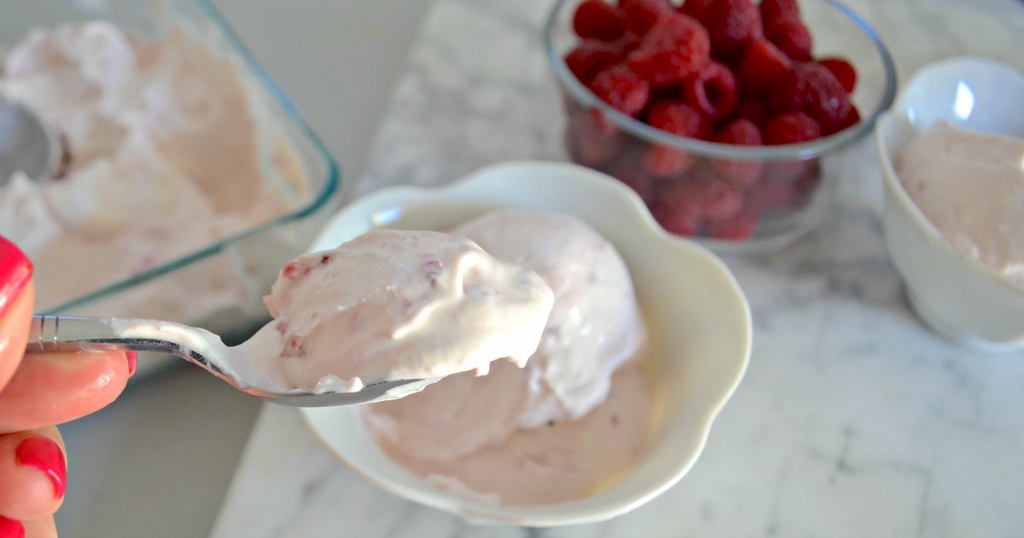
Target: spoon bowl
(202, 348)
(956, 296)
(25, 144)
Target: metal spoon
(25, 144)
(198, 346)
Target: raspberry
(844, 71)
(590, 57)
(761, 68)
(851, 119)
(719, 199)
(773, 11)
(675, 47)
(741, 172)
(732, 25)
(678, 119)
(621, 88)
(641, 15)
(715, 198)
(786, 185)
(813, 89)
(741, 132)
(598, 20)
(681, 218)
(642, 184)
(712, 90)
(770, 195)
(793, 38)
(693, 8)
(805, 183)
(664, 161)
(790, 128)
(588, 140)
(738, 228)
(755, 110)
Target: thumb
(17, 299)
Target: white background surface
(158, 461)
(852, 421)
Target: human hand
(37, 392)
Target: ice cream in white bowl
(697, 321)
(952, 156)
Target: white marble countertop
(852, 420)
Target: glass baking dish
(219, 286)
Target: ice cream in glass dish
(166, 148)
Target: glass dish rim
(331, 185)
(808, 150)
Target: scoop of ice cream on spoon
(378, 317)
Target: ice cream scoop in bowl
(698, 343)
(957, 281)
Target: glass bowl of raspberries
(718, 113)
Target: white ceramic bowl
(699, 322)
(957, 297)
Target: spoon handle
(49, 333)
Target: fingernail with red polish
(44, 454)
(15, 272)
(11, 528)
(133, 359)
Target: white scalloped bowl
(698, 317)
(957, 297)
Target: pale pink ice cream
(399, 305)
(970, 186)
(560, 428)
(167, 152)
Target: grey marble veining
(852, 421)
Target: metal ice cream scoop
(25, 144)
